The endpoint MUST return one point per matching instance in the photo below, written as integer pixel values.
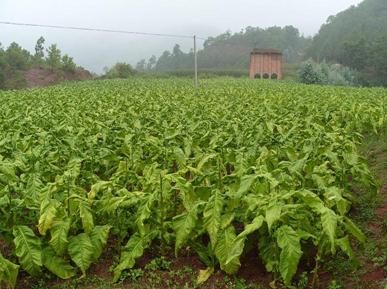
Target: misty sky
(204, 17)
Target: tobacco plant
(235, 167)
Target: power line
(194, 37)
(98, 30)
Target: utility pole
(196, 62)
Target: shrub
(68, 64)
(329, 74)
(120, 70)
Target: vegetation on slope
(19, 68)
(230, 52)
(356, 37)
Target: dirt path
(378, 227)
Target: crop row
(235, 167)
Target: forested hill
(356, 37)
(231, 51)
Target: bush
(328, 74)
(68, 64)
(308, 74)
(120, 70)
(15, 80)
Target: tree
(2, 68)
(120, 70)
(53, 57)
(378, 59)
(16, 57)
(308, 74)
(176, 50)
(152, 62)
(141, 65)
(39, 50)
(68, 64)
(355, 54)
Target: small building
(266, 64)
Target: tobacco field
(234, 167)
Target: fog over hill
(206, 18)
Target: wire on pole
(195, 62)
(94, 29)
(118, 31)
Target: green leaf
(239, 244)
(8, 272)
(269, 252)
(225, 244)
(289, 242)
(57, 265)
(246, 183)
(98, 238)
(59, 232)
(273, 214)
(212, 216)
(86, 216)
(81, 251)
(183, 225)
(27, 249)
(345, 246)
(204, 160)
(354, 230)
(250, 228)
(311, 200)
(133, 250)
(48, 211)
(335, 194)
(329, 224)
(96, 188)
(204, 275)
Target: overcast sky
(203, 17)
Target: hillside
(37, 77)
(356, 37)
(21, 69)
(230, 52)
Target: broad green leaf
(59, 232)
(311, 200)
(8, 272)
(183, 226)
(225, 244)
(204, 160)
(354, 230)
(98, 238)
(212, 216)
(57, 265)
(273, 214)
(246, 183)
(86, 216)
(289, 242)
(27, 249)
(252, 227)
(329, 224)
(239, 243)
(48, 211)
(133, 250)
(81, 251)
(96, 188)
(345, 246)
(204, 275)
(333, 194)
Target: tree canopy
(356, 37)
